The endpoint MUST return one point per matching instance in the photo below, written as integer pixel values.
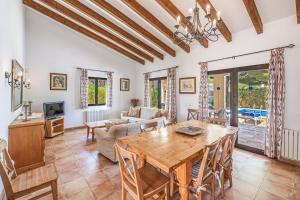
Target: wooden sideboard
(26, 143)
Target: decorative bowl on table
(191, 130)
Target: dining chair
(221, 113)
(168, 122)
(193, 114)
(141, 183)
(225, 161)
(204, 171)
(20, 185)
(149, 126)
(218, 121)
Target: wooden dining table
(175, 152)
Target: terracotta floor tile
(233, 194)
(276, 188)
(264, 195)
(85, 194)
(69, 176)
(104, 190)
(245, 189)
(72, 188)
(250, 178)
(96, 179)
(277, 178)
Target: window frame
(96, 90)
(159, 79)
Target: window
(97, 91)
(158, 90)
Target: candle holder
(29, 110)
(25, 112)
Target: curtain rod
(96, 70)
(161, 69)
(246, 54)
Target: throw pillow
(157, 114)
(164, 113)
(134, 112)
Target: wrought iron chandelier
(194, 30)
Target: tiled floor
(85, 175)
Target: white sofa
(106, 139)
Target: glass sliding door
(252, 108)
(242, 94)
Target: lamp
(16, 82)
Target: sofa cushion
(113, 122)
(134, 112)
(148, 113)
(131, 119)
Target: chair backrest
(221, 113)
(193, 114)
(129, 170)
(209, 160)
(219, 121)
(8, 172)
(227, 148)
(168, 122)
(149, 126)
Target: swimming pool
(253, 112)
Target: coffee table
(92, 125)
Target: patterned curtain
(203, 92)
(276, 95)
(146, 90)
(171, 105)
(84, 81)
(109, 89)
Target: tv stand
(54, 127)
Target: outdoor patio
(252, 136)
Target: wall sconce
(16, 83)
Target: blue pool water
(252, 112)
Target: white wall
(277, 33)
(12, 33)
(51, 47)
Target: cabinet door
(26, 146)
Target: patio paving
(253, 136)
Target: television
(54, 109)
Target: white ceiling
(234, 14)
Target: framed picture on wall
(124, 84)
(187, 85)
(58, 81)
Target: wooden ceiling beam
(67, 12)
(221, 25)
(151, 19)
(254, 15)
(133, 25)
(298, 10)
(102, 20)
(168, 6)
(38, 7)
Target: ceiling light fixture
(194, 30)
